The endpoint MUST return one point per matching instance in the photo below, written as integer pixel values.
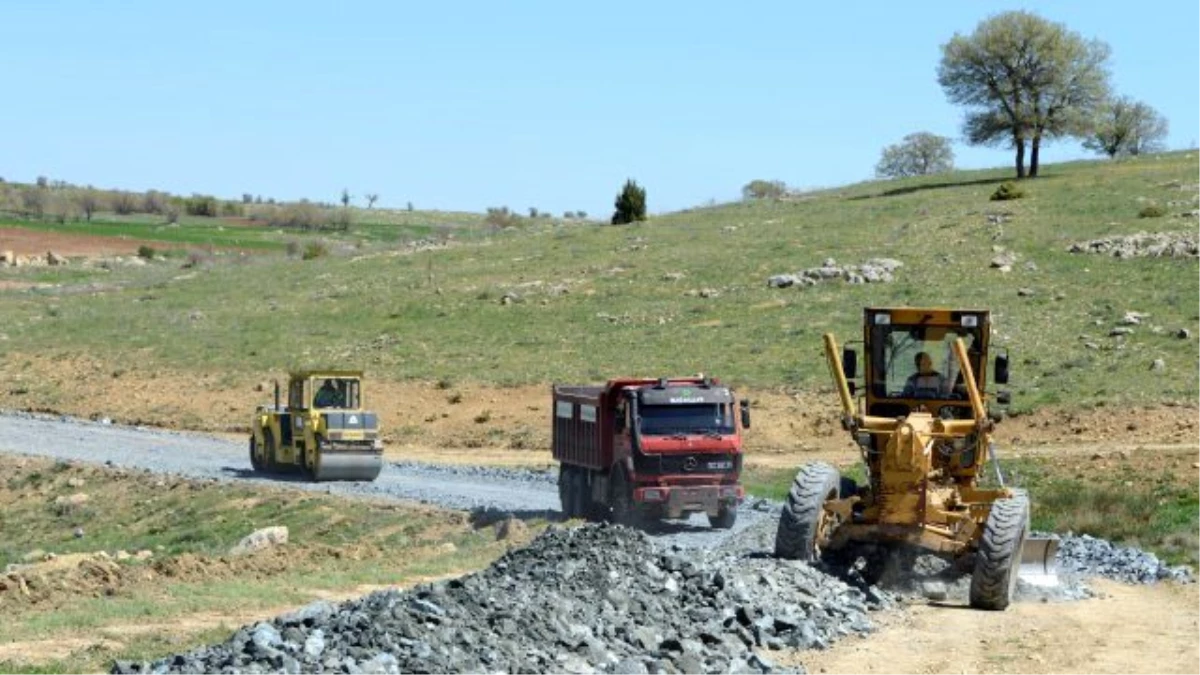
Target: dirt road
(195, 455)
(1129, 629)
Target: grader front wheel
(999, 556)
(805, 526)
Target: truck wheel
(565, 478)
(579, 494)
(724, 519)
(999, 556)
(804, 526)
(624, 510)
(255, 460)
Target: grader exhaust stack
(922, 427)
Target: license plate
(720, 466)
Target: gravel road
(522, 492)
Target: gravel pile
(590, 599)
(1088, 556)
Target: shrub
(231, 209)
(1007, 190)
(307, 216)
(500, 216)
(145, 252)
(314, 250)
(196, 259)
(338, 219)
(156, 202)
(1152, 211)
(764, 189)
(201, 205)
(124, 203)
(171, 214)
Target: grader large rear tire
(804, 525)
(999, 556)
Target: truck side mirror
(619, 420)
(1001, 369)
(849, 363)
(745, 406)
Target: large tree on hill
(630, 204)
(919, 154)
(1024, 80)
(1124, 126)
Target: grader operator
(924, 434)
(324, 431)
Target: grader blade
(1039, 561)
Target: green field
(592, 301)
(190, 232)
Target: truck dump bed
(582, 426)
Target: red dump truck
(637, 449)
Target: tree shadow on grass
(938, 186)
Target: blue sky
(465, 105)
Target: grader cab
(924, 432)
(323, 431)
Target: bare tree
(372, 197)
(33, 201)
(88, 201)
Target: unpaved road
(197, 455)
(1129, 629)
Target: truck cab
(639, 449)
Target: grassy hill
(684, 292)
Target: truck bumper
(677, 500)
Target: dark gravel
(597, 598)
(1088, 556)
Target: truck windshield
(702, 418)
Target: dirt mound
(63, 577)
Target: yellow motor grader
(924, 434)
(323, 431)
